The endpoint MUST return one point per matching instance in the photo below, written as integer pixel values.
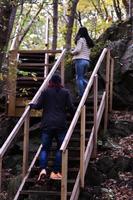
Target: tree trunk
(55, 24)
(7, 16)
(98, 9)
(105, 9)
(117, 8)
(131, 10)
(126, 5)
(21, 31)
(70, 23)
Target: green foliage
(26, 73)
(97, 48)
(96, 25)
(25, 91)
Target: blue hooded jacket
(55, 101)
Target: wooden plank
(101, 110)
(26, 146)
(45, 83)
(107, 91)
(40, 51)
(111, 85)
(76, 189)
(62, 72)
(22, 101)
(35, 65)
(30, 78)
(89, 149)
(64, 175)
(13, 133)
(95, 116)
(29, 170)
(33, 113)
(47, 33)
(12, 76)
(82, 146)
(47, 193)
(0, 174)
(76, 116)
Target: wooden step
(27, 65)
(30, 78)
(36, 170)
(48, 185)
(41, 195)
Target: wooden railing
(91, 149)
(85, 152)
(12, 77)
(24, 120)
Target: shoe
(55, 176)
(59, 175)
(42, 175)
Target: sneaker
(55, 176)
(59, 175)
(42, 175)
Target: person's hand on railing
(31, 105)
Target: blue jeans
(81, 66)
(47, 138)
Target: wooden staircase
(31, 70)
(80, 143)
(51, 189)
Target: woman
(54, 101)
(81, 58)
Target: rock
(93, 176)
(105, 164)
(112, 174)
(119, 40)
(120, 128)
(122, 164)
(90, 193)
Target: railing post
(0, 173)
(82, 146)
(12, 75)
(46, 65)
(62, 72)
(107, 91)
(47, 46)
(95, 86)
(64, 175)
(26, 145)
(111, 84)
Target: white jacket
(81, 50)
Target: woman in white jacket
(81, 58)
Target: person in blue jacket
(55, 102)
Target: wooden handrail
(14, 132)
(91, 146)
(28, 172)
(78, 111)
(35, 98)
(12, 135)
(21, 121)
(40, 51)
(85, 153)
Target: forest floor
(112, 189)
(122, 188)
